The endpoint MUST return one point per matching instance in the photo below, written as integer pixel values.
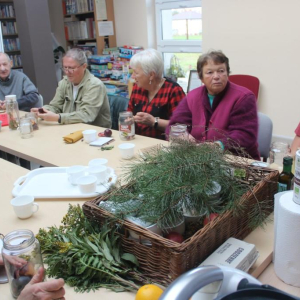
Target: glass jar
(26, 129)
(33, 119)
(126, 126)
(278, 151)
(12, 110)
(178, 131)
(22, 258)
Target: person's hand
(47, 115)
(144, 118)
(2, 105)
(38, 290)
(16, 261)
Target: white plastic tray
(54, 183)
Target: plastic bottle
(286, 177)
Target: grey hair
(150, 60)
(77, 54)
(7, 56)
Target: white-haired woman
(153, 97)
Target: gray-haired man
(80, 96)
(14, 82)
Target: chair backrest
(247, 81)
(116, 104)
(265, 130)
(40, 103)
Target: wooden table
(50, 213)
(47, 147)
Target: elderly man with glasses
(80, 97)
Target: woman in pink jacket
(219, 111)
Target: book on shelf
(77, 6)
(7, 11)
(9, 27)
(79, 30)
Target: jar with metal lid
(22, 258)
(126, 126)
(12, 110)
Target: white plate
(54, 183)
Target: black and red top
(162, 106)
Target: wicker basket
(164, 260)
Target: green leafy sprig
(86, 256)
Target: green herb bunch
(86, 256)
(165, 180)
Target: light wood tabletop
(48, 149)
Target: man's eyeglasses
(69, 69)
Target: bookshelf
(81, 24)
(9, 31)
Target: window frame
(175, 45)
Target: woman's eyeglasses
(69, 69)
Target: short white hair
(8, 58)
(150, 60)
(77, 54)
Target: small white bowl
(89, 135)
(98, 162)
(87, 184)
(127, 150)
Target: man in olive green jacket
(80, 96)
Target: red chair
(247, 81)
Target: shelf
(78, 14)
(10, 34)
(119, 83)
(82, 40)
(20, 67)
(7, 18)
(12, 51)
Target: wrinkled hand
(16, 261)
(38, 290)
(2, 105)
(47, 116)
(144, 118)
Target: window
(179, 36)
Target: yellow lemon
(149, 292)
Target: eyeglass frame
(70, 70)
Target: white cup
(98, 162)
(24, 206)
(127, 150)
(74, 173)
(87, 184)
(100, 172)
(89, 135)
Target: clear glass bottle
(126, 126)
(12, 110)
(22, 258)
(178, 131)
(286, 177)
(26, 129)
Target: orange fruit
(149, 292)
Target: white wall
(135, 23)
(261, 38)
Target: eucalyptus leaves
(86, 256)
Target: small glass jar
(12, 110)
(33, 119)
(178, 131)
(126, 126)
(22, 258)
(26, 129)
(278, 151)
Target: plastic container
(22, 258)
